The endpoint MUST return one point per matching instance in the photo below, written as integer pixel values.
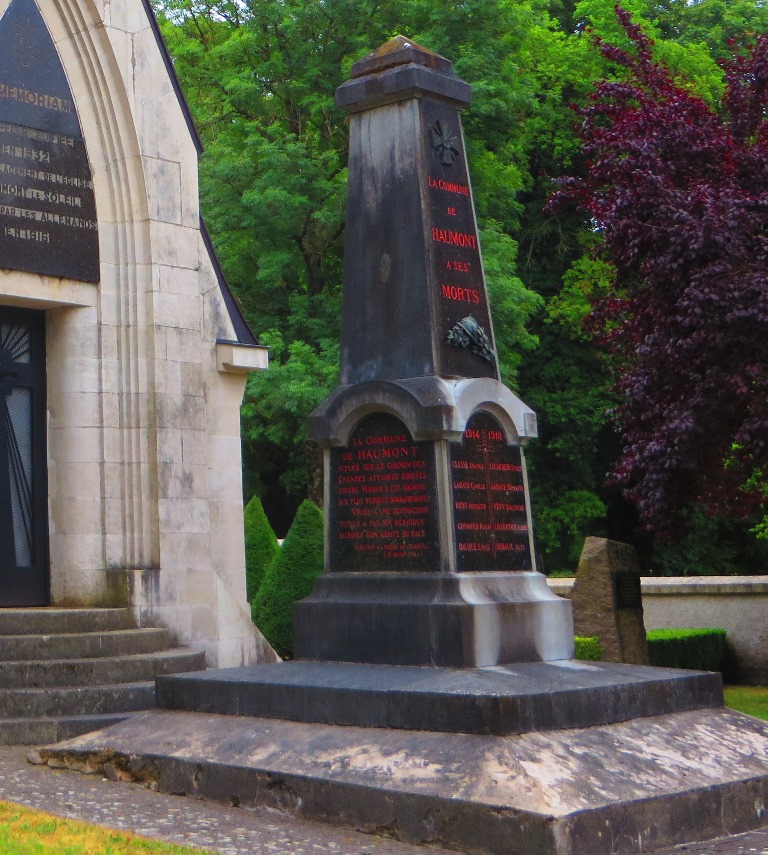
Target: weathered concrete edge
(455, 823)
(410, 817)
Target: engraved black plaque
(48, 219)
(382, 506)
(626, 591)
(457, 273)
(489, 507)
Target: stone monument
(123, 356)
(429, 550)
(436, 700)
(607, 602)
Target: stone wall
(737, 604)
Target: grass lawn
(29, 832)
(752, 700)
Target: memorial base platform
(620, 788)
(500, 700)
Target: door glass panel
(19, 425)
(17, 342)
(23, 490)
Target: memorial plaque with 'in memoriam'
(490, 515)
(382, 506)
(48, 219)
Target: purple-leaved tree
(679, 191)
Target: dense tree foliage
(679, 192)
(260, 77)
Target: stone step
(97, 672)
(68, 701)
(65, 672)
(119, 642)
(503, 700)
(40, 731)
(612, 789)
(48, 621)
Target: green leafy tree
(277, 402)
(261, 546)
(290, 578)
(261, 77)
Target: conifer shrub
(290, 578)
(261, 546)
(588, 648)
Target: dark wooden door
(23, 488)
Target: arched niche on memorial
(382, 508)
(489, 499)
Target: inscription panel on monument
(489, 506)
(48, 221)
(382, 507)
(627, 592)
(462, 316)
(47, 206)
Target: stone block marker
(607, 602)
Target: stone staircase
(64, 672)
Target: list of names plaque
(382, 508)
(48, 221)
(489, 507)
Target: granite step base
(38, 731)
(57, 702)
(613, 789)
(516, 698)
(64, 672)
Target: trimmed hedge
(290, 578)
(261, 546)
(697, 649)
(588, 648)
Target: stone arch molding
(102, 490)
(126, 511)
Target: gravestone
(429, 547)
(607, 601)
(123, 356)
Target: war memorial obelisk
(433, 698)
(429, 550)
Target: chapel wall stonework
(145, 492)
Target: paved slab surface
(131, 807)
(231, 831)
(597, 791)
(754, 843)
